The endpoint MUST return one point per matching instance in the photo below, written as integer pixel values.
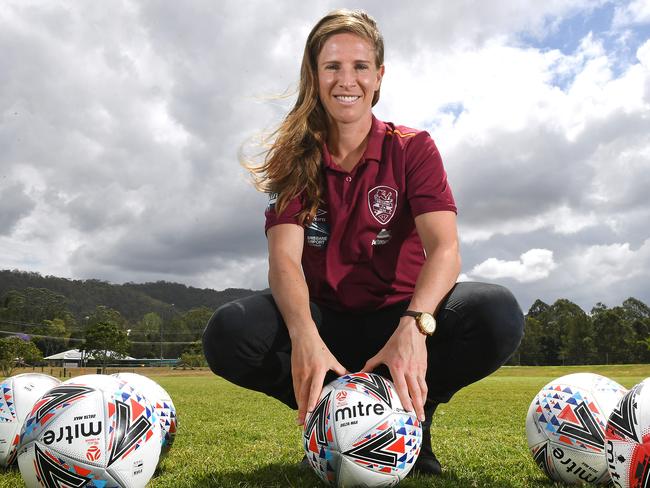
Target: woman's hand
(310, 362)
(405, 354)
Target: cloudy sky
(121, 122)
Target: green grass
(233, 438)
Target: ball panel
(134, 445)
(391, 447)
(371, 385)
(73, 431)
(162, 403)
(134, 441)
(619, 456)
(9, 440)
(575, 466)
(325, 464)
(54, 401)
(352, 474)
(41, 466)
(17, 396)
(355, 412)
(542, 456)
(7, 403)
(318, 438)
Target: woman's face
(347, 78)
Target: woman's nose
(347, 78)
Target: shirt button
(348, 179)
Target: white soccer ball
(628, 439)
(18, 395)
(565, 427)
(93, 430)
(162, 404)
(359, 434)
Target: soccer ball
(359, 434)
(628, 439)
(19, 393)
(90, 431)
(162, 404)
(565, 427)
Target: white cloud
(533, 265)
(607, 266)
(643, 55)
(635, 12)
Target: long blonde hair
(292, 165)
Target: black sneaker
(427, 464)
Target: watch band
(411, 313)
(425, 322)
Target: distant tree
(615, 338)
(145, 335)
(637, 315)
(150, 324)
(193, 356)
(530, 350)
(578, 345)
(537, 308)
(105, 341)
(56, 336)
(34, 305)
(636, 309)
(15, 351)
(105, 314)
(195, 320)
(553, 330)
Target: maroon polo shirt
(362, 251)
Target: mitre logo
(382, 202)
(69, 432)
(359, 410)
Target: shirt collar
(375, 140)
(373, 149)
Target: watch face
(428, 323)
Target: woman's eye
(362, 66)
(332, 66)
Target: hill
(132, 300)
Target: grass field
(232, 438)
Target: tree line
(44, 319)
(563, 334)
(132, 300)
(166, 320)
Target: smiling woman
(363, 251)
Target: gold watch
(424, 320)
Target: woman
(363, 251)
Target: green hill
(130, 299)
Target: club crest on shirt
(382, 201)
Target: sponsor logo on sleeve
(273, 197)
(317, 233)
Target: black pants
(479, 326)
